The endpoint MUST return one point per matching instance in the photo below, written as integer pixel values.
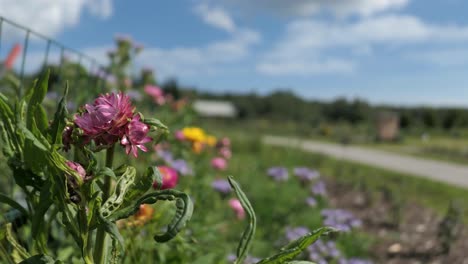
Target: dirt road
(452, 174)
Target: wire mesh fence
(26, 55)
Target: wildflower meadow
(133, 175)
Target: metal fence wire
(85, 75)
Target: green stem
(101, 245)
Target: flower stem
(101, 244)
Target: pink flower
(105, 120)
(157, 94)
(225, 153)
(179, 135)
(169, 178)
(136, 135)
(219, 163)
(236, 205)
(78, 168)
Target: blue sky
(386, 51)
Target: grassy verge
(429, 193)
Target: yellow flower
(195, 134)
(210, 141)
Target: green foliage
(246, 239)
(293, 249)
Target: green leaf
(295, 248)
(300, 262)
(117, 198)
(184, 210)
(105, 171)
(40, 259)
(42, 122)
(247, 236)
(39, 91)
(59, 122)
(155, 123)
(6, 200)
(19, 253)
(38, 232)
(142, 184)
(155, 176)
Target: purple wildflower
(306, 174)
(278, 173)
(340, 219)
(310, 201)
(165, 155)
(322, 251)
(296, 232)
(182, 167)
(221, 186)
(319, 189)
(354, 261)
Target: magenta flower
(236, 205)
(219, 163)
(106, 119)
(169, 178)
(136, 135)
(156, 93)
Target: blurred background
(370, 94)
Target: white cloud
(190, 61)
(306, 67)
(50, 17)
(308, 7)
(312, 40)
(216, 17)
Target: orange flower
(197, 147)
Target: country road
(449, 173)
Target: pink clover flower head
(136, 135)
(105, 120)
(156, 93)
(236, 205)
(219, 163)
(170, 178)
(78, 168)
(179, 135)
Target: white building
(212, 108)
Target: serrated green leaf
(249, 232)
(295, 248)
